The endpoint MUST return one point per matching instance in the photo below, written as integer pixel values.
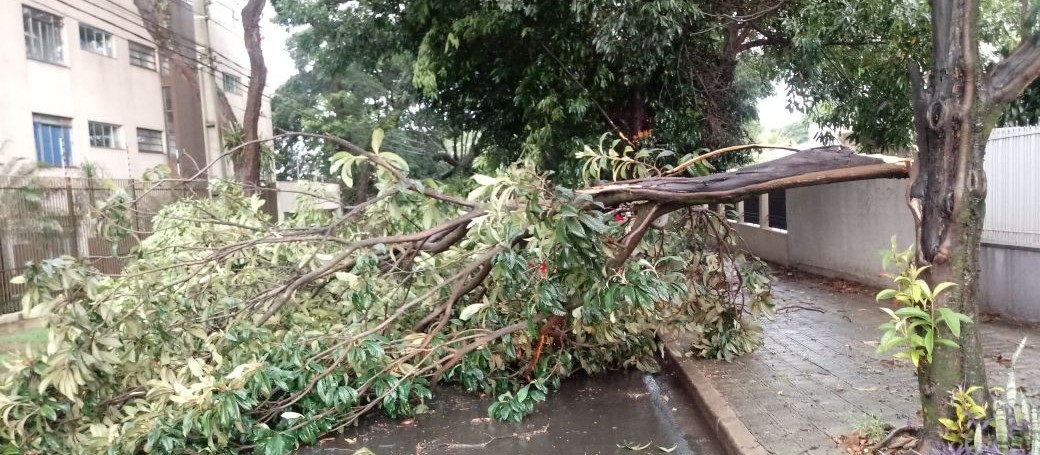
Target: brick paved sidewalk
(817, 376)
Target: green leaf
(377, 139)
(471, 310)
(484, 180)
(886, 294)
(913, 312)
(952, 320)
(939, 288)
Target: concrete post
(763, 210)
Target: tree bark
(247, 171)
(814, 166)
(955, 109)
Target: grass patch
(17, 341)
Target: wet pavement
(608, 413)
(818, 377)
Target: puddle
(588, 415)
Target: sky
(279, 63)
(772, 110)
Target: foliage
(228, 332)
(846, 62)
(969, 416)
(873, 428)
(1010, 427)
(361, 82)
(914, 325)
(550, 76)
(233, 138)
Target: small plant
(912, 329)
(1016, 429)
(1011, 427)
(873, 428)
(970, 416)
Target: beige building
(87, 84)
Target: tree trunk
(247, 171)
(953, 116)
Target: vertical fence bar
(72, 218)
(136, 221)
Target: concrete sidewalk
(817, 376)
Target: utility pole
(208, 93)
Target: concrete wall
(87, 86)
(766, 243)
(1009, 284)
(84, 87)
(840, 229)
(226, 37)
(290, 194)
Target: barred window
(141, 55)
(105, 135)
(149, 141)
(96, 41)
(42, 35)
(53, 140)
(232, 84)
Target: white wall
(85, 87)
(91, 87)
(227, 39)
(290, 194)
(841, 229)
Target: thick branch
(1011, 76)
(806, 168)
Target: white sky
(772, 110)
(280, 65)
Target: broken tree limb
(810, 167)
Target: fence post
(135, 221)
(763, 210)
(73, 217)
(740, 212)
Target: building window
(171, 138)
(53, 147)
(164, 66)
(42, 35)
(96, 41)
(103, 135)
(141, 55)
(149, 141)
(231, 84)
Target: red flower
(544, 268)
(618, 217)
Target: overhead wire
(174, 49)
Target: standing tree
(247, 169)
(956, 106)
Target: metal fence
(44, 217)
(1013, 188)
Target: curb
(734, 436)
(16, 322)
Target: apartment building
(87, 84)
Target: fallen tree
(228, 332)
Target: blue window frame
(53, 142)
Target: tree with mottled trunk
(247, 169)
(955, 107)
